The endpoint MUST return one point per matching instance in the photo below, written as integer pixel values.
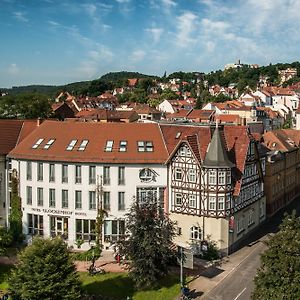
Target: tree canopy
(279, 274)
(148, 246)
(25, 106)
(45, 271)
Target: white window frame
(78, 174)
(178, 174)
(49, 143)
(212, 177)
(221, 203)
(78, 199)
(83, 145)
(195, 233)
(109, 146)
(192, 175)
(212, 202)
(52, 198)
(37, 143)
(64, 198)
(192, 200)
(71, 146)
(178, 199)
(221, 177)
(123, 146)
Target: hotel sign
(57, 211)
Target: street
(238, 285)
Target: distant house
(62, 111)
(106, 116)
(171, 106)
(12, 132)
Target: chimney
(39, 122)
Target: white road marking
(240, 294)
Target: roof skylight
(49, 143)
(71, 145)
(38, 142)
(83, 145)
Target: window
(121, 201)
(109, 146)
(212, 177)
(35, 224)
(38, 142)
(240, 225)
(92, 200)
(221, 203)
(64, 199)
(29, 195)
(192, 200)
(221, 177)
(49, 143)
(113, 230)
(78, 199)
(192, 175)
(178, 174)
(83, 145)
(85, 230)
(251, 217)
(51, 197)
(178, 199)
(77, 174)
(145, 146)
(40, 196)
(59, 227)
(92, 174)
(123, 146)
(212, 203)
(195, 233)
(106, 175)
(121, 175)
(106, 200)
(64, 174)
(51, 172)
(228, 176)
(29, 170)
(147, 194)
(40, 171)
(71, 145)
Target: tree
(15, 217)
(45, 271)
(148, 245)
(279, 274)
(5, 240)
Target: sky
(62, 41)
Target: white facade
(49, 216)
(166, 107)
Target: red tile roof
(97, 134)
(13, 132)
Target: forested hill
(243, 77)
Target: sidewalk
(106, 262)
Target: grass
(4, 273)
(114, 286)
(120, 286)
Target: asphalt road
(238, 285)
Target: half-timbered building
(215, 185)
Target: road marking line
(240, 294)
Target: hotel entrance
(59, 226)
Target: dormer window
(109, 146)
(123, 146)
(83, 145)
(49, 143)
(71, 145)
(38, 142)
(145, 146)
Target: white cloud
(168, 3)
(123, 1)
(13, 69)
(20, 16)
(186, 25)
(156, 33)
(53, 23)
(90, 9)
(138, 55)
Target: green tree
(5, 240)
(148, 246)
(45, 271)
(15, 217)
(279, 274)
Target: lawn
(119, 286)
(114, 285)
(4, 272)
